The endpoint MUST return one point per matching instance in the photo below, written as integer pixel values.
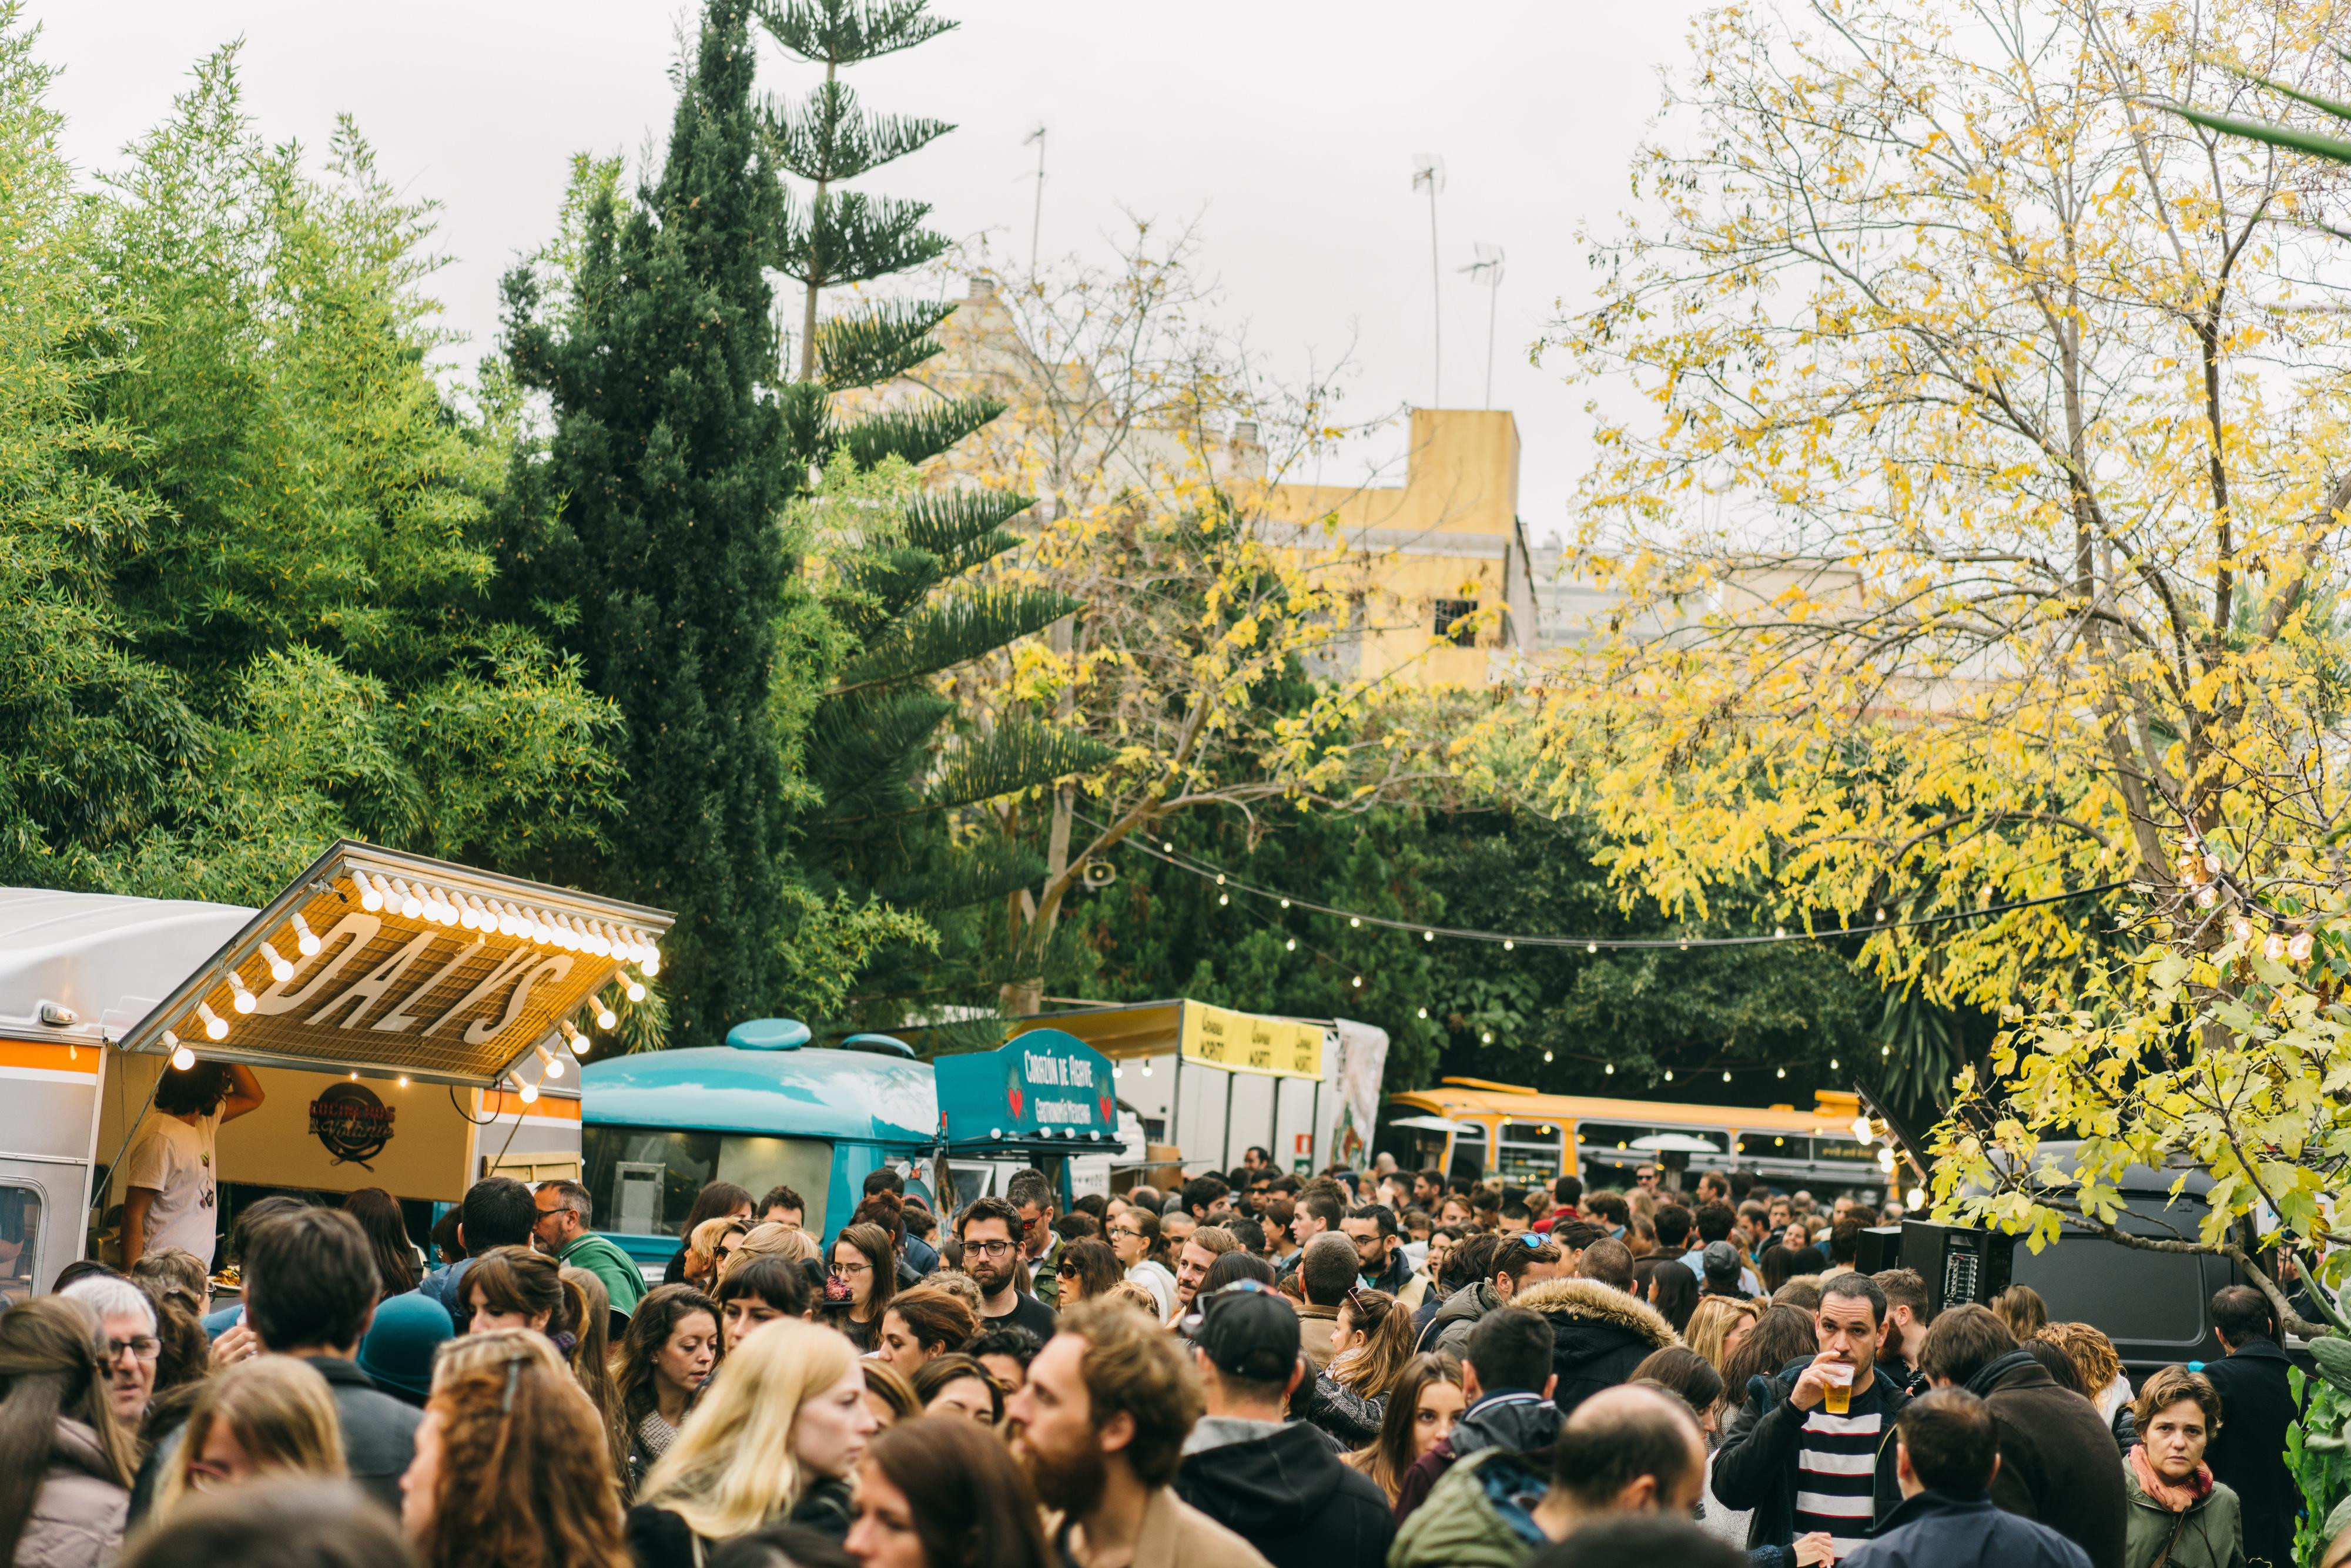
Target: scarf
(2173, 1498)
(655, 1435)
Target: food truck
(414, 1025)
(1208, 1083)
(769, 1109)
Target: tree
(668, 465)
(1153, 440)
(829, 139)
(2022, 457)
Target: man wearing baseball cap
(1273, 1482)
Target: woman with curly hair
(511, 1469)
(2103, 1378)
(671, 1347)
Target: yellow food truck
(414, 1025)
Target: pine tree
(877, 749)
(671, 463)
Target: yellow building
(1441, 582)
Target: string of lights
(1165, 851)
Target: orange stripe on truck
(506, 1103)
(60, 1057)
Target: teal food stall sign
(1048, 1091)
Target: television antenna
(1487, 270)
(1428, 170)
(1036, 209)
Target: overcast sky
(1286, 129)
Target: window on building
(1451, 621)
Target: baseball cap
(1721, 1258)
(1250, 1334)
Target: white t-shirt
(177, 1160)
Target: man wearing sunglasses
(1031, 1194)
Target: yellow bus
(1471, 1126)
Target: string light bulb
(239, 998)
(279, 970)
(636, 990)
(1591, 946)
(1669, 1075)
(1726, 1075)
(1353, 921)
(306, 941)
(1833, 1066)
(1610, 1070)
(1359, 982)
(529, 1094)
(1424, 1013)
(2298, 947)
(1508, 944)
(215, 1026)
(181, 1057)
(1290, 945)
(1916, 1198)
(1546, 1056)
(370, 896)
(650, 964)
(605, 1017)
(1223, 899)
(1780, 1073)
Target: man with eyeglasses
(990, 1232)
(128, 1318)
(1379, 1255)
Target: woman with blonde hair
(272, 1415)
(2022, 1309)
(788, 1242)
(2103, 1378)
(707, 1248)
(1718, 1326)
(511, 1469)
(776, 1438)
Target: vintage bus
(1471, 1126)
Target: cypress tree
(669, 466)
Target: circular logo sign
(351, 1122)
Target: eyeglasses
(146, 1347)
(988, 1248)
(1066, 1271)
(1123, 1230)
(848, 1269)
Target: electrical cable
(1167, 854)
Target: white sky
(1286, 129)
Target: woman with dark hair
(863, 1277)
(757, 1291)
(516, 1287)
(1779, 1265)
(666, 1356)
(2059, 1365)
(921, 1323)
(1667, 1284)
(66, 1464)
(1087, 1268)
(1421, 1409)
(958, 1386)
(379, 1214)
(1681, 1371)
(1230, 1269)
(717, 1200)
(511, 1469)
(977, 1508)
(592, 1361)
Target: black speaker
(1959, 1265)
(1881, 1248)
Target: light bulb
(1485, 1037)
(1884, 1159)
(2298, 948)
(529, 1094)
(652, 966)
(1220, 878)
(1610, 1070)
(1726, 1075)
(1290, 945)
(410, 906)
(1779, 933)
(636, 990)
(1916, 1198)
(215, 1026)
(1591, 946)
(370, 899)
(1860, 1132)
(606, 1018)
(1353, 921)
(555, 1067)
(306, 941)
(1546, 1056)
(1881, 917)
(279, 970)
(1780, 1073)
(2274, 948)
(1669, 1075)
(467, 918)
(1428, 936)
(1359, 982)
(1285, 903)
(184, 1059)
(1508, 944)
(1833, 1066)
(1146, 1070)
(238, 996)
(403, 1081)
(2206, 898)
(1223, 899)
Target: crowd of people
(1255, 1368)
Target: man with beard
(1100, 1427)
(1193, 1261)
(990, 1233)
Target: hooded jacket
(1482, 1515)
(1947, 1530)
(1599, 1334)
(1518, 1422)
(76, 1518)
(1448, 1331)
(2056, 1457)
(1280, 1488)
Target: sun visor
(377, 961)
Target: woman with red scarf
(2180, 1516)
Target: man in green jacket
(564, 1212)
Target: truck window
(644, 1179)
(20, 1240)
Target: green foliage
(2318, 1454)
(666, 480)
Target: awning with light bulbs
(378, 962)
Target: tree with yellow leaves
(1977, 543)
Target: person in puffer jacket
(1600, 1333)
(65, 1485)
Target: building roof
(807, 1093)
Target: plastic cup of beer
(1836, 1387)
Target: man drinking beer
(1816, 1468)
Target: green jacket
(1479, 1515)
(2210, 1535)
(1047, 1283)
(603, 1257)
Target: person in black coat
(2057, 1462)
(1946, 1453)
(1277, 1485)
(2248, 1452)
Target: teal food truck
(767, 1109)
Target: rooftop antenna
(1487, 270)
(1036, 210)
(1428, 170)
